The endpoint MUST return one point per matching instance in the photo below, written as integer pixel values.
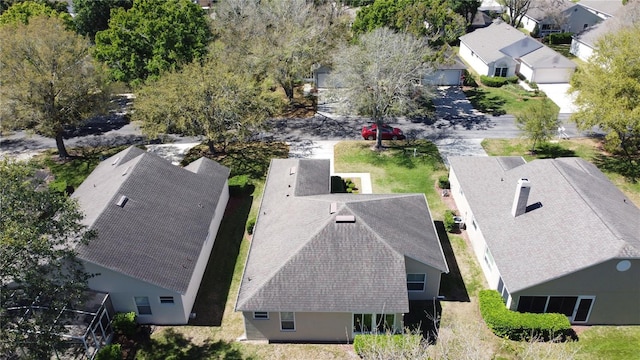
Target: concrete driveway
(558, 94)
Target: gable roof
(487, 42)
(581, 219)
(158, 234)
(302, 259)
(607, 7)
(545, 58)
(623, 16)
(541, 9)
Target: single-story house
(614, 15)
(502, 50)
(325, 266)
(156, 224)
(557, 16)
(552, 235)
(451, 73)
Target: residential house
(450, 73)
(552, 235)
(554, 16)
(614, 16)
(156, 224)
(325, 266)
(502, 50)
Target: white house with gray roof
(324, 266)
(552, 235)
(557, 16)
(502, 50)
(156, 224)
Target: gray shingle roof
(546, 58)
(487, 42)
(583, 219)
(301, 259)
(608, 7)
(158, 235)
(541, 9)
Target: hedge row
(386, 344)
(560, 38)
(520, 326)
(498, 81)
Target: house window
(166, 299)
(501, 71)
(488, 258)
(287, 321)
(261, 315)
(503, 290)
(373, 323)
(143, 305)
(576, 308)
(416, 282)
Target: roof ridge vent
(333, 207)
(345, 219)
(123, 200)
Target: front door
(582, 309)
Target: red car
(388, 132)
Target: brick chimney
(522, 196)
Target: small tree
(539, 122)
(382, 75)
(49, 81)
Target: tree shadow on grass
(410, 153)
(619, 165)
(243, 158)
(552, 151)
(214, 288)
(176, 346)
(484, 102)
(452, 285)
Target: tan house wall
(617, 294)
(432, 286)
(309, 327)
(122, 289)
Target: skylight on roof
(292, 170)
(345, 219)
(333, 208)
(123, 200)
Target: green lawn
(509, 99)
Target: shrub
(449, 223)
(520, 326)
(468, 79)
(560, 38)
(239, 185)
(109, 352)
(443, 182)
(250, 225)
(386, 344)
(125, 323)
(497, 81)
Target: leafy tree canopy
(49, 81)
(433, 19)
(608, 91)
(92, 16)
(214, 98)
(539, 122)
(21, 12)
(59, 6)
(152, 37)
(39, 230)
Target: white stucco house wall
(557, 16)
(156, 224)
(502, 50)
(613, 15)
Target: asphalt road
(456, 122)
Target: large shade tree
(49, 80)
(22, 11)
(92, 16)
(214, 98)
(152, 37)
(608, 91)
(380, 76)
(516, 10)
(39, 230)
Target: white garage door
(552, 76)
(444, 78)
